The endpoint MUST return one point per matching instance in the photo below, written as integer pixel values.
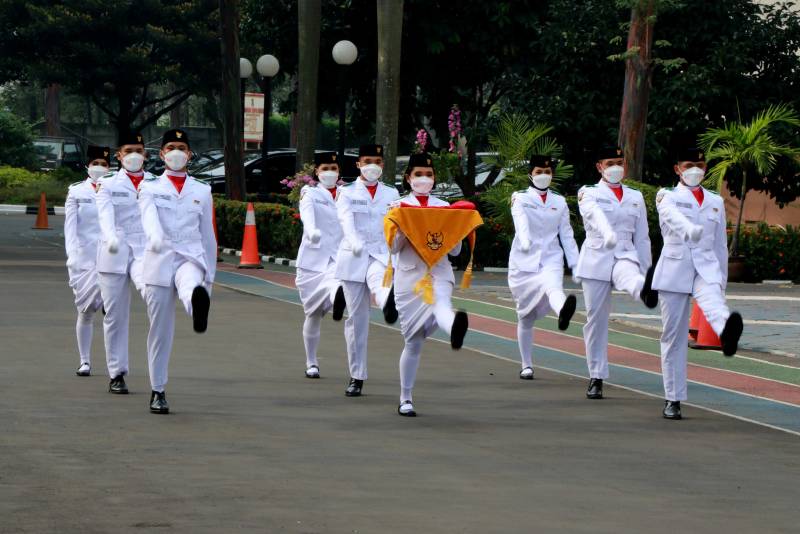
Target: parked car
(55, 152)
(204, 159)
(280, 164)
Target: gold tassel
(388, 275)
(466, 280)
(424, 288)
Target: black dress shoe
(312, 371)
(526, 376)
(672, 409)
(200, 305)
(339, 304)
(118, 386)
(408, 412)
(389, 309)
(595, 390)
(158, 402)
(649, 295)
(731, 333)
(459, 330)
(566, 313)
(354, 388)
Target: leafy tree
(16, 141)
(121, 54)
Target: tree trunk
(52, 110)
(309, 18)
(735, 241)
(638, 81)
(230, 104)
(390, 33)
(175, 113)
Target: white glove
(315, 235)
(610, 240)
(72, 261)
(113, 245)
(524, 244)
(155, 244)
(575, 278)
(695, 233)
(357, 247)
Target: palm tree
(750, 148)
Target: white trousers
(116, 295)
(88, 300)
(315, 289)
(356, 327)
(675, 312)
(161, 312)
(625, 276)
(535, 294)
(419, 320)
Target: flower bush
(278, 227)
(301, 178)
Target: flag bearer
(418, 319)
(120, 252)
(316, 259)
(616, 253)
(180, 257)
(536, 262)
(81, 234)
(362, 258)
(693, 263)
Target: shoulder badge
(660, 195)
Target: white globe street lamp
(345, 53)
(245, 68)
(267, 65)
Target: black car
(280, 165)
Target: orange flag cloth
(433, 232)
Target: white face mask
(328, 178)
(421, 184)
(96, 172)
(614, 174)
(176, 159)
(371, 173)
(133, 162)
(692, 177)
(541, 181)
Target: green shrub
(770, 253)
(278, 227)
(16, 141)
(21, 186)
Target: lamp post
(245, 71)
(267, 66)
(344, 53)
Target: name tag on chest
(120, 194)
(603, 201)
(84, 200)
(163, 197)
(684, 205)
(359, 202)
(320, 201)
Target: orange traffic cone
(214, 222)
(41, 215)
(706, 337)
(250, 258)
(694, 321)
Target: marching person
(316, 259)
(81, 234)
(418, 319)
(616, 252)
(536, 261)
(693, 262)
(362, 258)
(120, 253)
(180, 256)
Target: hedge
(770, 253)
(21, 186)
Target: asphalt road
(251, 445)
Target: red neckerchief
(423, 200)
(136, 178)
(177, 180)
(698, 194)
(332, 191)
(372, 189)
(94, 186)
(617, 191)
(544, 197)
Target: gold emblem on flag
(435, 240)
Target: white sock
(311, 335)
(84, 329)
(525, 340)
(409, 363)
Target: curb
(265, 259)
(10, 209)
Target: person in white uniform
(536, 261)
(120, 253)
(693, 263)
(362, 258)
(180, 257)
(616, 253)
(418, 320)
(81, 234)
(316, 258)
